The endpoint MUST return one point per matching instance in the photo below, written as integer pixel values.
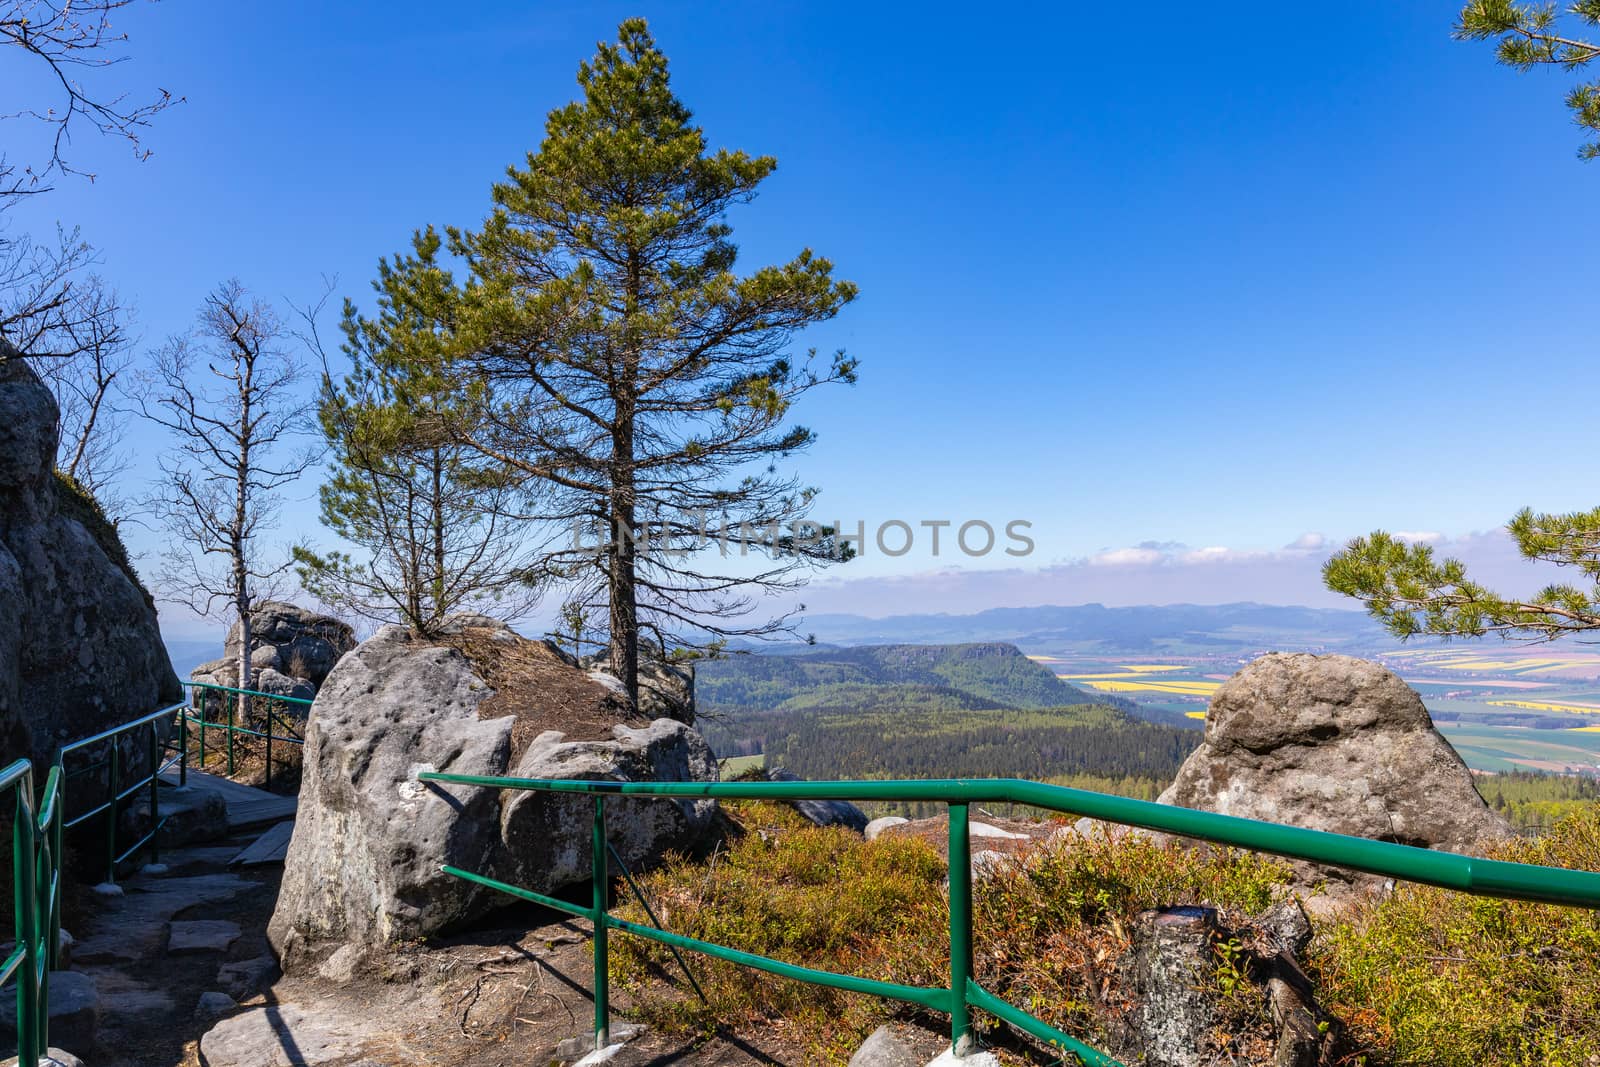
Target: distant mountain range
(1093, 628)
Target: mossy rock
(76, 502)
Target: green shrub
(1050, 934)
(1053, 933)
(817, 897)
(1430, 976)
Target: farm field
(1503, 707)
(737, 765)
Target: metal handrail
(1481, 877)
(117, 791)
(232, 728)
(36, 902)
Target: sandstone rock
(987, 862)
(213, 1005)
(824, 812)
(666, 690)
(278, 684)
(297, 646)
(573, 1048)
(340, 968)
(363, 864)
(547, 836)
(1286, 925)
(282, 1034)
(74, 1009)
(53, 1057)
(1173, 959)
(883, 1048)
(80, 650)
(242, 979)
(878, 826)
(974, 1058)
(1333, 743)
(200, 935)
(188, 815)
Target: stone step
(74, 1009)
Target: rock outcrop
(823, 812)
(547, 836)
(80, 649)
(292, 650)
(363, 866)
(1333, 743)
(666, 690)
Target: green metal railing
(1482, 877)
(230, 698)
(116, 789)
(41, 821)
(36, 902)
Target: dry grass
(539, 688)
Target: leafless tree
(88, 388)
(75, 330)
(52, 310)
(227, 393)
(67, 40)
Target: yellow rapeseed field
(1545, 705)
(1178, 688)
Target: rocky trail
(174, 968)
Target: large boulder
(80, 649)
(1333, 743)
(292, 648)
(363, 866)
(548, 836)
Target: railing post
(183, 746)
(42, 927)
(58, 817)
(155, 801)
(26, 926)
(602, 880)
(269, 745)
(961, 1040)
(111, 811)
(203, 694)
(232, 701)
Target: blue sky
(1147, 277)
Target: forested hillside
(997, 674)
(931, 711)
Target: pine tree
(631, 369)
(1411, 592)
(1530, 37)
(430, 517)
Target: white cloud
(1127, 557)
(1211, 554)
(1152, 573)
(1310, 541)
(1420, 537)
